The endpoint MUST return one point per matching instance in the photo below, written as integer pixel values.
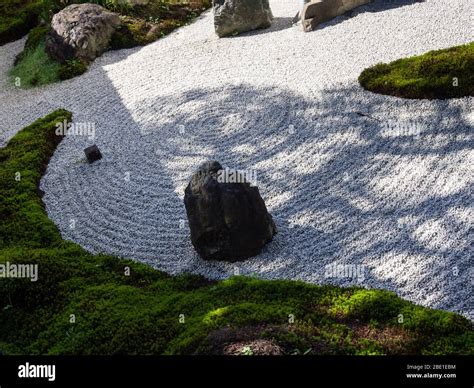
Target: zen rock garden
(132, 134)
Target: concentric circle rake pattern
(341, 189)
(379, 186)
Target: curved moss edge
(150, 312)
(440, 74)
(17, 17)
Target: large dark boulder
(81, 31)
(236, 16)
(228, 221)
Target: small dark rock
(228, 221)
(92, 153)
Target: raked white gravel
(379, 184)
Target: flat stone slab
(320, 11)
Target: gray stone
(236, 16)
(228, 221)
(92, 153)
(320, 11)
(81, 31)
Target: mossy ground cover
(140, 25)
(33, 67)
(440, 74)
(144, 24)
(17, 17)
(149, 312)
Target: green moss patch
(440, 74)
(99, 304)
(33, 67)
(134, 32)
(145, 24)
(17, 17)
(72, 68)
(141, 25)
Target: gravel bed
(365, 189)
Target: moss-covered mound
(99, 304)
(17, 17)
(33, 67)
(440, 74)
(140, 25)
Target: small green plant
(50, 7)
(72, 68)
(121, 7)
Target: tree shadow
(278, 24)
(346, 180)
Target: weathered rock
(228, 221)
(80, 31)
(320, 11)
(236, 16)
(92, 153)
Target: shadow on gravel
(376, 6)
(278, 24)
(343, 184)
